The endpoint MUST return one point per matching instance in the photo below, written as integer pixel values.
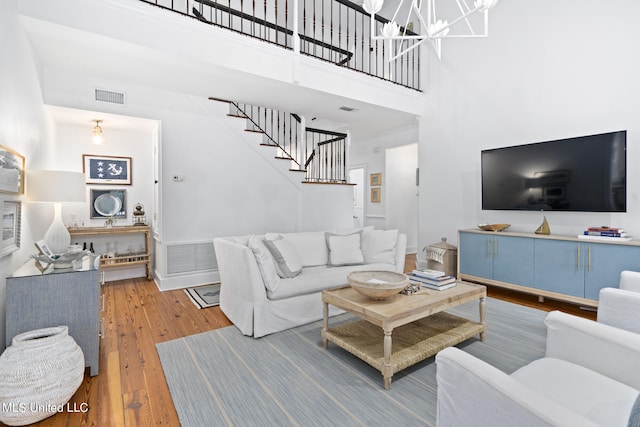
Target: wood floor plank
(131, 330)
(110, 407)
(137, 412)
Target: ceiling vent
(349, 109)
(110, 96)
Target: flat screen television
(582, 174)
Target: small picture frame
(108, 170)
(375, 179)
(375, 195)
(11, 171)
(44, 249)
(11, 219)
(108, 204)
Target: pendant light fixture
(97, 133)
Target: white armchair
(590, 376)
(620, 307)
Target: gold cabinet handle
(495, 247)
(578, 257)
(588, 258)
(489, 247)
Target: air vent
(349, 109)
(190, 257)
(110, 96)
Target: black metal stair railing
(336, 31)
(327, 161)
(279, 129)
(321, 154)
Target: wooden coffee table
(418, 323)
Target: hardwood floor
(130, 389)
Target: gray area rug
(204, 296)
(287, 379)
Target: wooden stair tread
(236, 116)
(254, 131)
(327, 183)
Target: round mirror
(107, 204)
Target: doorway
(356, 176)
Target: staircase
(320, 154)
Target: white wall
(401, 195)
(397, 181)
(24, 127)
(231, 185)
(548, 70)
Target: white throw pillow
(344, 249)
(310, 246)
(266, 263)
(344, 232)
(380, 246)
(288, 262)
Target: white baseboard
(183, 281)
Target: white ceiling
(74, 117)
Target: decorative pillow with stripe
(288, 263)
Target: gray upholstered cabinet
(57, 297)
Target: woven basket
(39, 373)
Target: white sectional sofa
(262, 293)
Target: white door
(356, 176)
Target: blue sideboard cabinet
(497, 257)
(560, 267)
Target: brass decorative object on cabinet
(544, 227)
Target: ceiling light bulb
(97, 133)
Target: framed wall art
(11, 211)
(375, 195)
(108, 204)
(107, 170)
(375, 179)
(11, 171)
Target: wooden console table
(121, 260)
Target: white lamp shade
(56, 186)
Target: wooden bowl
(377, 285)
(493, 227)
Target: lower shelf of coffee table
(411, 343)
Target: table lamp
(57, 187)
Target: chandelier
(433, 29)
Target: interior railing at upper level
(336, 31)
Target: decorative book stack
(605, 233)
(432, 279)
